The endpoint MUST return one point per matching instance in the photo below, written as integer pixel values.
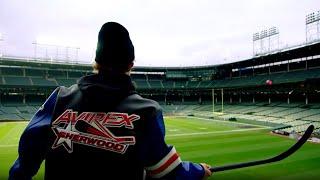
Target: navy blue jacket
(99, 128)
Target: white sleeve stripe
(162, 161)
(168, 169)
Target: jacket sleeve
(161, 160)
(33, 142)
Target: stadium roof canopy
(301, 51)
(281, 55)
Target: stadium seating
(205, 84)
(143, 84)
(66, 82)
(193, 84)
(156, 84)
(180, 84)
(75, 74)
(9, 110)
(43, 82)
(11, 117)
(276, 116)
(31, 84)
(41, 77)
(315, 117)
(17, 81)
(35, 72)
(17, 111)
(11, 71)
(168, 84)
(57, 73)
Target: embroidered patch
(91, 129)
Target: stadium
(199, 102)
(246, 110)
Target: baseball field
(214, 142)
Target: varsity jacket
(99, 128)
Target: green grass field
(213, 142)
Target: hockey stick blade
(279, 157)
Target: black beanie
(114, 49)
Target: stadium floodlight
(264, 34)
(310, 18)
(273, 31)
(1, 39)
(313, 17)
(256, 36)
(255, 39)
(265, 41)
(49, 48)
(279, 157)
(313, 26)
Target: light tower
(255, 43)
(52, 52)
(265, 41)
(313, 27)
(1, 40)
(273, 34)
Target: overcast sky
(164, 32)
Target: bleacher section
(57, 73)
(143, 84)
(25, 85)
(296, 118)
(43, 82)
(18, 112)
(259, 80)
(52, 78)
(180, 84)
(193, 84)
(75, 74)
(168, 84)
(12, 71)
(156, 84)
(66, 82)
(38, 77)
(17, 81)
(35, 72)
(279, 115)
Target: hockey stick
(279, 157)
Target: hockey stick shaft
(279, 157)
